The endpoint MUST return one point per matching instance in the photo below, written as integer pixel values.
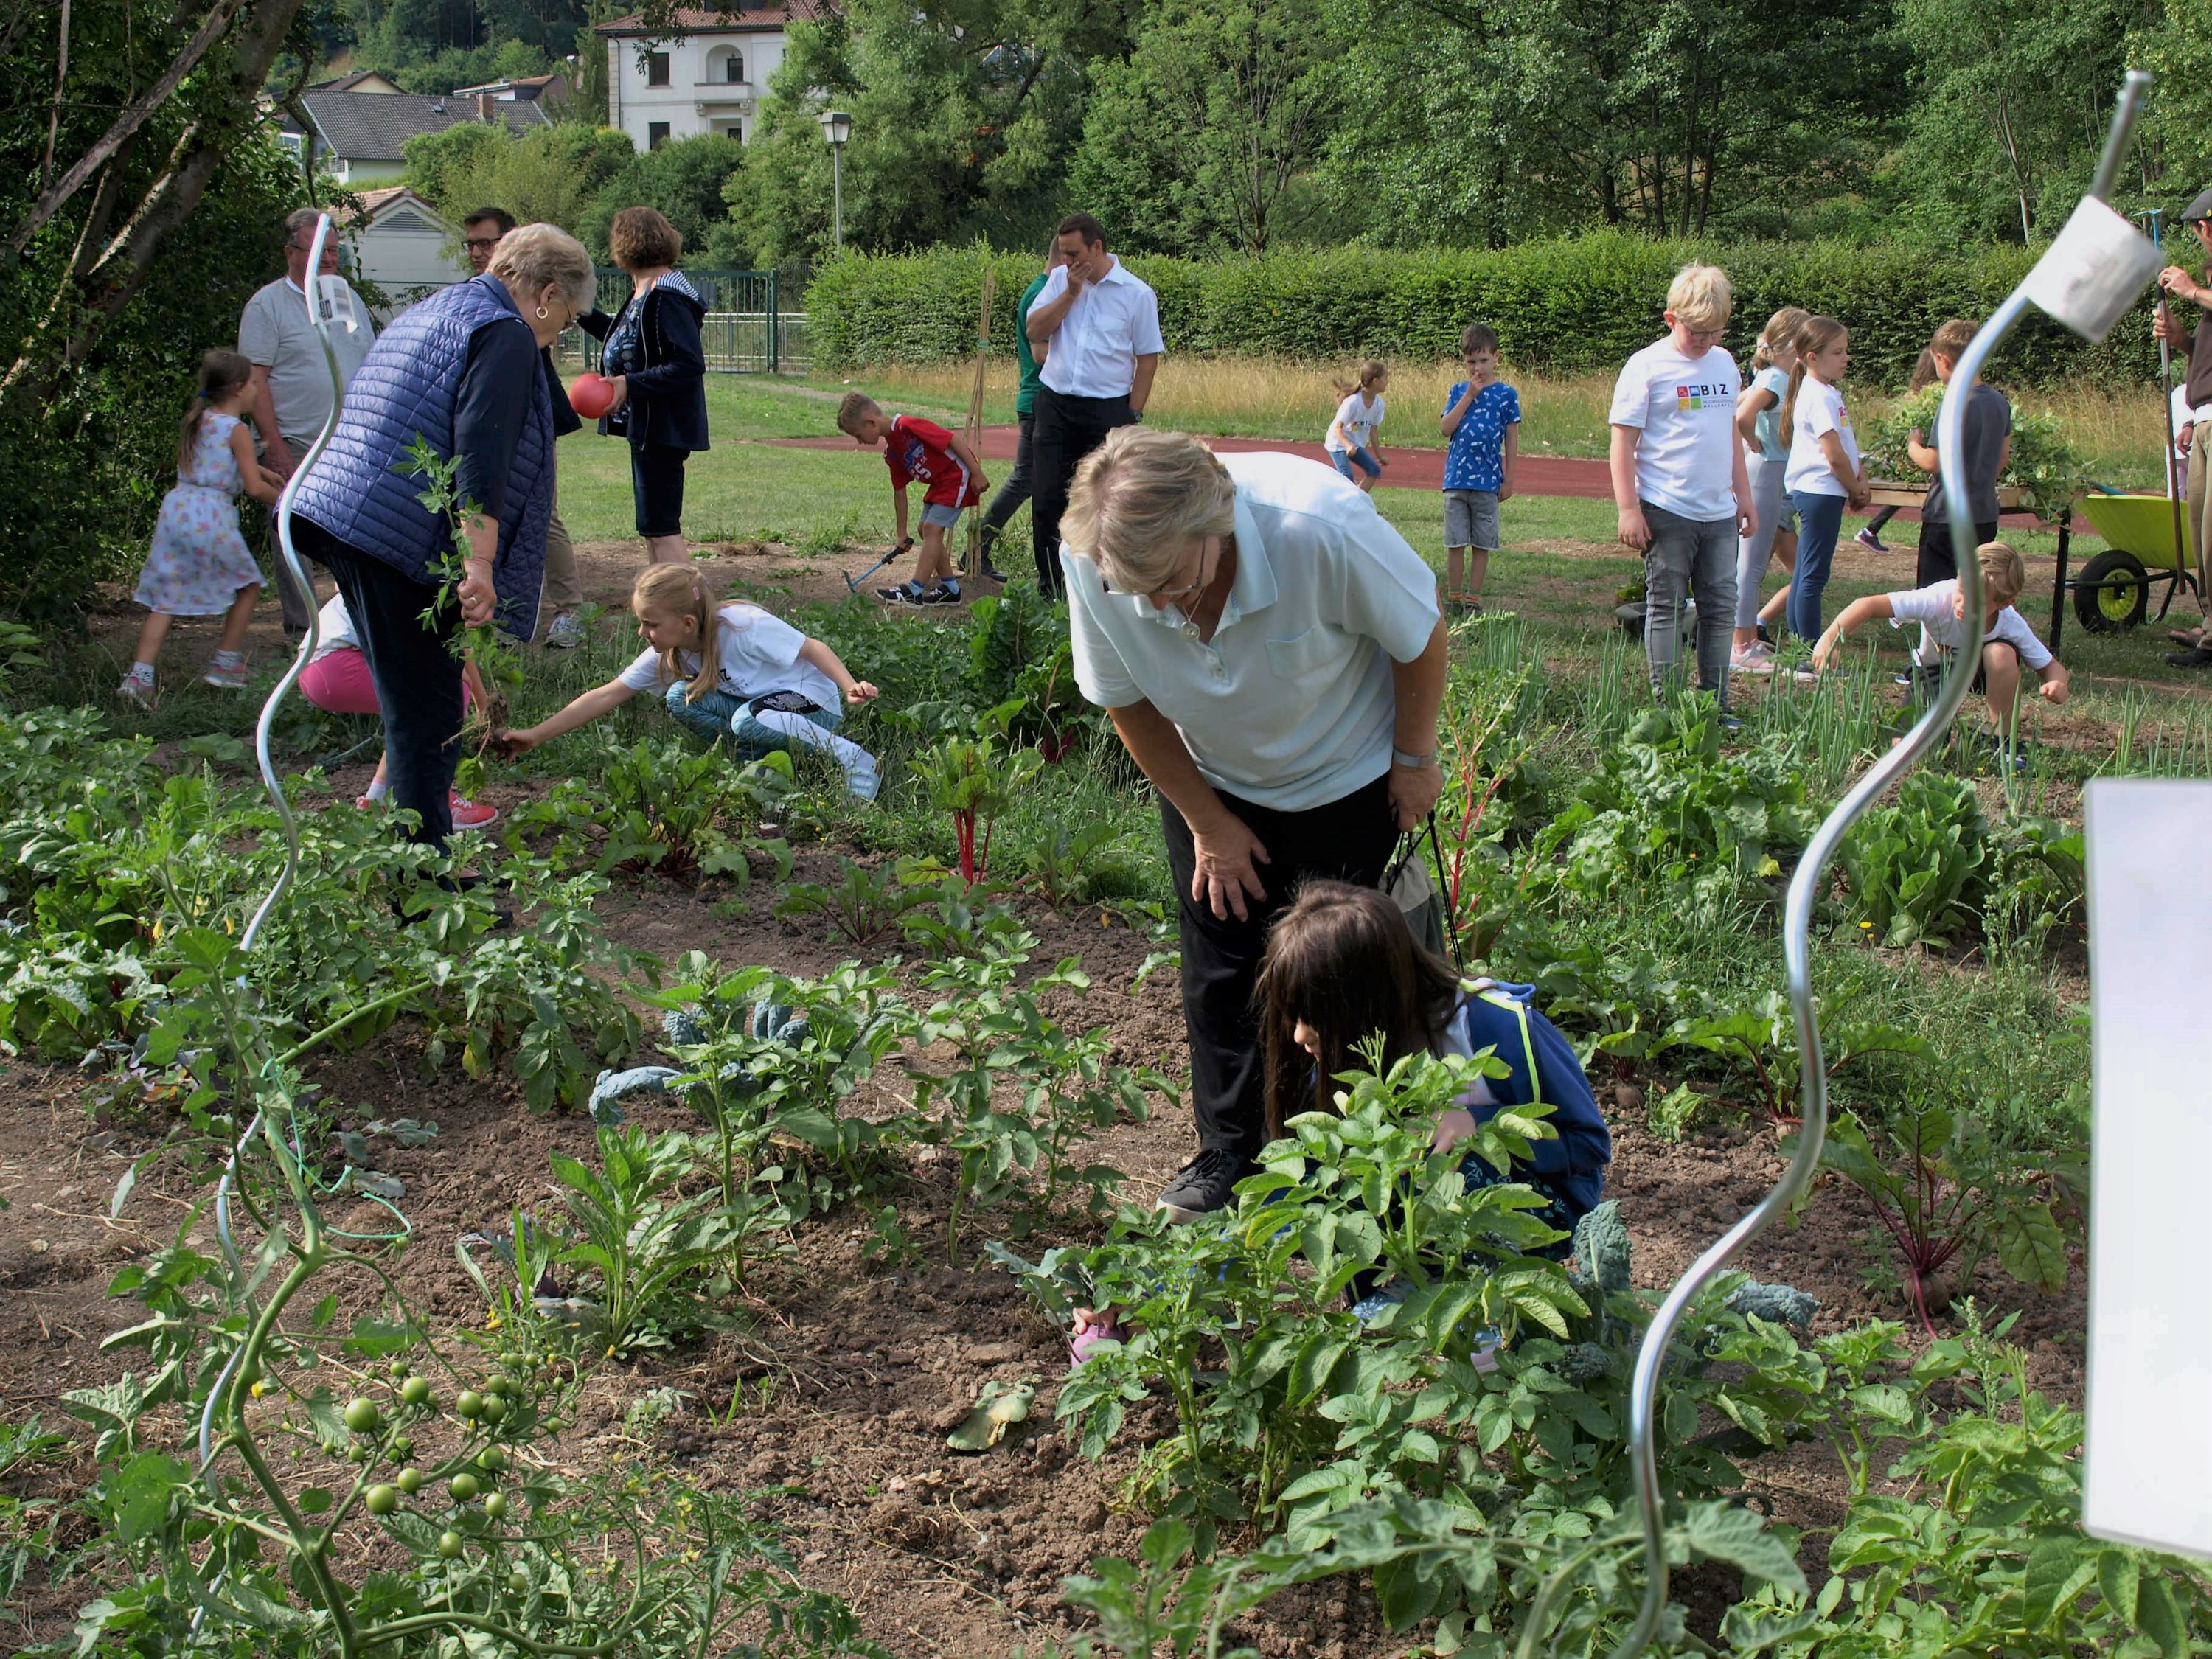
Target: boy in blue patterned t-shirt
(1482, 419)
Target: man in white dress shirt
(1103, 327)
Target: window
(656, 69)
(733, 69)
(656, 134)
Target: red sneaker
(471, 815)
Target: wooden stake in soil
(972, 562)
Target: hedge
(1567, 306)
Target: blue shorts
(1345, 459)
(938, 514)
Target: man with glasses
(480, 234)
(1679, 482)
(291, 386)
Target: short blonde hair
(1141, 499)
(1700, 298)
(853, 408)
(2002, 573)
(535, 255)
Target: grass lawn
(1561, 567)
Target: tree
(549, 175)
(154, 123)
(964, 113)
(2018, 93)
(1480, 122)
(1201, 137)
(685, 180)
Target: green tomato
(465, 1486)
(362, 1416)
(409, 1481)
(403, 1446)
(492, 1457)
(471, 1405)
(494, 1407)
(415, 1391)
(356, 1453)
(518, 1582)
(380, 1500)
(497, 1385)
(449, 1546)
(495, 1506)
(399, 1368)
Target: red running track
(1405, 469)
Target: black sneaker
(1204, 1184)
(991, 573)
(937, 596)
(898, 593)
(2198, 656)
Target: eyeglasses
(1188, 591)
(481, 244)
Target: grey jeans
(1686, 556)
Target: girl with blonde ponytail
(734, 672)
(1352, 429)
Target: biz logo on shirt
(1693, 396)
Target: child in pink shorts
(337, 681)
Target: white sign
(2147, 1474)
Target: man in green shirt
(1016, 489)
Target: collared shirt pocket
(1307, 656)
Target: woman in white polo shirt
(1273, 656)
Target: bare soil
(853, 1371)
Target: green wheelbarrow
(2143, 549)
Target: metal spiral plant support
(321, 319)
(2085, 279)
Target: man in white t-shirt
(2008, 644)
(291, 384)
(1102, 327)
(1679, 478)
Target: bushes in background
(1567, 306)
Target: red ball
(590, 395)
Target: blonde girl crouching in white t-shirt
(734, 673)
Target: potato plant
(295, 1435)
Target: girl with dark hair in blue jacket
(1343, 967)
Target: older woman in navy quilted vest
(465, 369)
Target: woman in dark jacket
(650, 352)
(466, 371)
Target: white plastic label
(335, 296)
(2091, 274)
(2147, 1474)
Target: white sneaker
(565, 633)
(134, 689)
(1753, 659)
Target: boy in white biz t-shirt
(1679, 478)
(2008, 644)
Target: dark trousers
(1347, 840)
(1066, 429)
(418, 677)
(1012, 493)
(1939, 559)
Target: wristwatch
(1412, 762)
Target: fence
(745, 331)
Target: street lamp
(837, 127)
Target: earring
(543, 313)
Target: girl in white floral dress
(199, 565)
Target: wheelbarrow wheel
(2112, 592)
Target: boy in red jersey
(916, 448)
